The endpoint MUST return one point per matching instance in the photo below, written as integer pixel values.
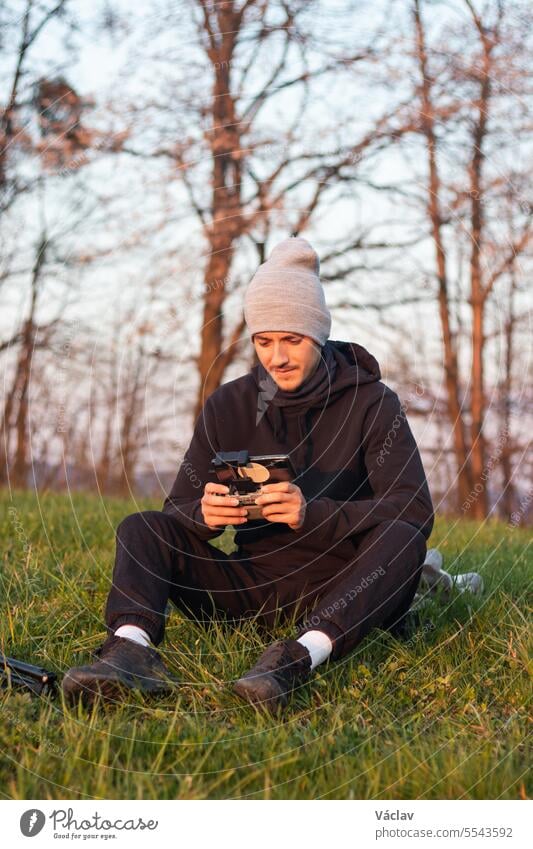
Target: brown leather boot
(123, 666)
(283, 666)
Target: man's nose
(279, 356)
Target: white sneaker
(434, 578)
(433, 575)
(434, 559)
(470, 582)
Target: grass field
(440, 714)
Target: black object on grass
(25, 676)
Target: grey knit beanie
(285, 293)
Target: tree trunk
(477, 405)
(128, 442)
(480, 506)
(18, 477)
(464, 477)
(226, 208)
(506, 503)
(103, 467)
(211, 360)
(7, 419)
(20, 464)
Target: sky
(102, 65)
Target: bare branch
(508, 261)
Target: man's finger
(225, 520)
(281, 486)
(216, 487)
(220, 500)
(224, 514)
(276, 509)
(284, 518)
(272, 498)
(228, 513)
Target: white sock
(132, 632)
(318, 645)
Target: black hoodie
(355, 456)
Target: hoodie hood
(355, 365)
(343, 365)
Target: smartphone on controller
(245, 475)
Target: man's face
(289, 358)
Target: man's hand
(283, 502)
(218, 508)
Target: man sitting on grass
(338, 551)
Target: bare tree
(246, 174)
(44, 142)
(26, 29)
(435, 214)
(464, 97)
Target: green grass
(442, 714)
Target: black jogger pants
(157, 559)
